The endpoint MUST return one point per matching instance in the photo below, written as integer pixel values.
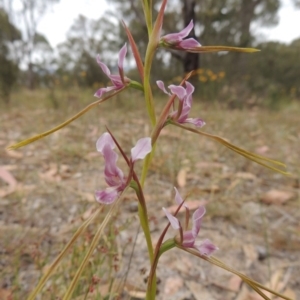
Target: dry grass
(58, 175)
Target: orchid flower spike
(205, 247)
(185, 103)
(118, 81)
(114, 176)
(177, 41)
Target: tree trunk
(30, 77)
(191, 60)
(246, 16)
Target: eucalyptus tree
(26, 15)
(86, 39)
(9, 69)
(219, 22)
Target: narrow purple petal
(195, 121)
(177, 37)
(141, 149)
(103, 66)
(178, 198)
(122, 54)
(206, 247)
(106, 196)
(189, 90)
(178, 90)
(188, 239)
(173, 220)
(189, 43)
(161, 85)
(185, 32)
(105, 139)
(197, 218)
(102, 91)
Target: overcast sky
(57, 22)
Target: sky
(59, 19)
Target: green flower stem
(148, 95)
(151, 288)
(46, 133)
(143, 215)
(147, 7)
(145, 226)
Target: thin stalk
(44, 134)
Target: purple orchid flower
(118, 81)
(205, 247)
(114, 176)
(177, 41)
(185, 103)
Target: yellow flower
(202, 78)
(221, 74)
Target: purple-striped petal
(206, 247)
(188, 239)
(195, 121)
(106, 196)
(102, 91)
(141, 149)
(197, 218)
(113, 175)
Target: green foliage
(276, 71)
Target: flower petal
(103, 66)
(161, 85)
(206, 247)
(116, 81)
(102, 91)
(177, 37)
(195, 121)
(178, 198)
(178, 90)
(189, 43)
(188, 239)
(122, 54)
(106, 196)
(113, 175)
(173, 220)
(189, 91)
(141, 149)
(197, 218)
(105, 139)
